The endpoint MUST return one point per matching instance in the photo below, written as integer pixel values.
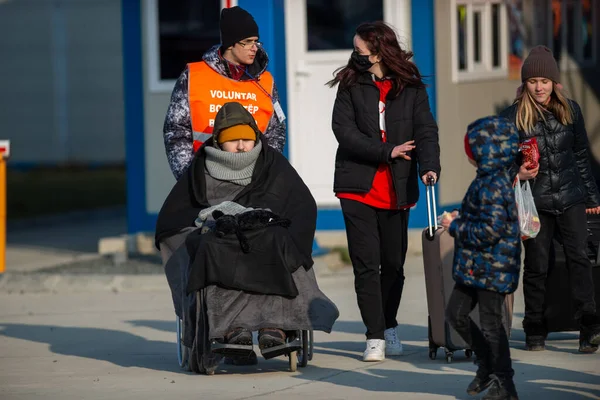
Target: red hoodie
(382, 193)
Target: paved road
(103, 345)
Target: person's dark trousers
(377, 237)
(490, 343)
(572, 225)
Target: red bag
(531, 152)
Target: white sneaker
(393, 346)
(375, 350)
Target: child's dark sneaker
(239, 336)
(270, 337)
(482, 380)
(479, 385)
(499, 391)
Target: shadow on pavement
(120, 348)
(412, 373)
(165, 326)
(438, 378)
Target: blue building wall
(269, 15)
(138, 218)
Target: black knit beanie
(540, 64)
(236, 24)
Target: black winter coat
(355, 123)
(275, 185)
(565, 175)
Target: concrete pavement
(101, 345)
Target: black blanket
(275, 252)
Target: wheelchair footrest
(231, 349)
(287, 348)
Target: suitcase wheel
(468, 353)
(449, 356)
(432, 353)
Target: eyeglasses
(250, 43)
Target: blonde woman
(563, 189)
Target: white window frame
(566, 62)
(484, 70)
(155, 84)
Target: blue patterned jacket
(487, 238)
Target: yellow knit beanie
(236, 132)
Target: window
(572, 34)
(496, 26)
(461, 17)
(331, 24)
(178, 33)
(479, 39)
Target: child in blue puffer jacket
(487, 254)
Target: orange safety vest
(208, 91)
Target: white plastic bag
(529, 220)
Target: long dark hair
(381, 39)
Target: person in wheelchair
(240, 225)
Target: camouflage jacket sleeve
(488, 227)
(275, 132)
(177, 129)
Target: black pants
(377, 238)
(572, 225)
(490, 343)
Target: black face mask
(361, 63)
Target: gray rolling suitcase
(438, 254)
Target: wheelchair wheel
(182, 350)
(303, 353)
(193, 359)
(311, 345)
(293, 361)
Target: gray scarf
(232, 167)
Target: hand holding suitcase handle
(430, 189)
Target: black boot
(270, 337)
(589, 333)
(501, 390)
(535, 336)
(482, 380)
(239, 336)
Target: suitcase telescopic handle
(432, 226)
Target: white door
(318, 41)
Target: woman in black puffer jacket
(388, 141)
(564, 190)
